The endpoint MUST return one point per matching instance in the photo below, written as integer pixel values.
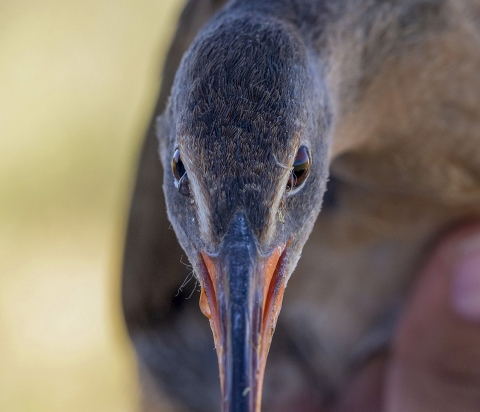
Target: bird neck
(354, 49)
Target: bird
(345, 131)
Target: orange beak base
(242, 292)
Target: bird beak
(242, 292)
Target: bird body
(385, 95)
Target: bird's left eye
(300, 169)
(180, 174)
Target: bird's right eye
(180, 174)
(300, 169)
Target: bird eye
(181, 178)
(300, 169)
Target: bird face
(244, 145)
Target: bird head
(244, 146)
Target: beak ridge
(242, 291)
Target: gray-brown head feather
(244, 100)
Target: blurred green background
(78, 81)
